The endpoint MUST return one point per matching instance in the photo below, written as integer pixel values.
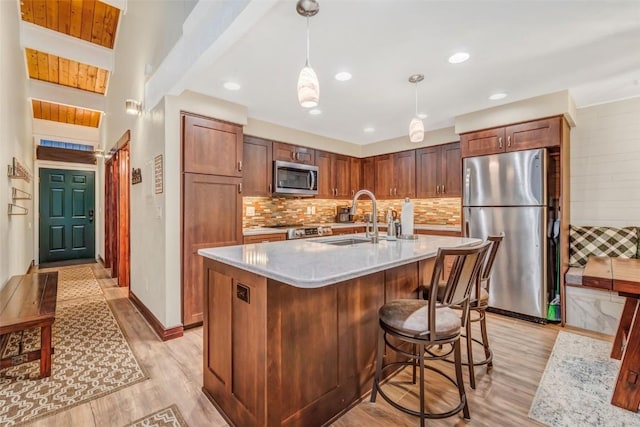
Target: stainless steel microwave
(294, 179)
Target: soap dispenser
(391, 227)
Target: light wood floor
(502, 397)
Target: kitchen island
(290, 327)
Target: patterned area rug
(92, 357)
(577, 385)
(167, 417)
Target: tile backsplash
(267, 211)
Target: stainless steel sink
(346, 241)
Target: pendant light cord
(416, 99)
(307, 63)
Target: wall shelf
(17, 210)
(18, 171)
(17, 194)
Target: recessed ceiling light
(232, 86)
(497, 96)
(315, 112)
(343, 76)
(458, 57)
(369, 129)
(422, 116)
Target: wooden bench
(29, 301)
(623, 276)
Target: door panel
(66, 229)
(518, 280)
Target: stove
(301, 231)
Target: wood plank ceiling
(88, 20)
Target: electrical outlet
(308, 210)
(313, 209)
(251, 211)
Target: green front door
(67, 207)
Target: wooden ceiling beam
(59, 44)
(59, 94)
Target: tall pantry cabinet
(211, 200)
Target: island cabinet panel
(235, 368)
(211, 147)
(303, 340)
(279, 355)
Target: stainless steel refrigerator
(508, 192)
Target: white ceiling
(524, 48)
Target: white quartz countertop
(310, 263)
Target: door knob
(90, 215)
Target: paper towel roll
(406, 217)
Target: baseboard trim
(158, 328)
(32, 265)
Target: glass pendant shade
(416, 130)
(308, 88)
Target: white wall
(605, 165)
(138, 45)
(16, 232)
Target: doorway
(67, 212)
(116, 203)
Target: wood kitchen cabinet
(262, 238)
(356, 176)
(334, 175)
(214, 149)
(395, 175)
(257, 168)
(211, 147)
(521, 136)
(438, 171)
(368, 174)
(293, 153)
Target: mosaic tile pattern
(278, 210)
(577, 385)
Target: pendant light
(308, 86)
(416, 127)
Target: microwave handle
(312, 177)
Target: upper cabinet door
(356, 175)
(258, 167)
(384, 176)
(451, 172)
(325, 175)
(293, 153)
(538, 134)
(427, 172)
(490, 141)
(341, 166)
(405, 171)
(211, 147)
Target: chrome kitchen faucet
(374, 238)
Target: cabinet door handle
(395, 191)
(297, 156)
(240, 166)
(353, 192)
(443, 192)
(270, 188)
(240, 188)
(437, 189)
(500, 142)
(391, 191)
(509, 141)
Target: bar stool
(479, 302)
(426, 323)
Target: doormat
(167, 417)
(577, 385)
(92, 357)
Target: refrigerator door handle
(467, 186)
